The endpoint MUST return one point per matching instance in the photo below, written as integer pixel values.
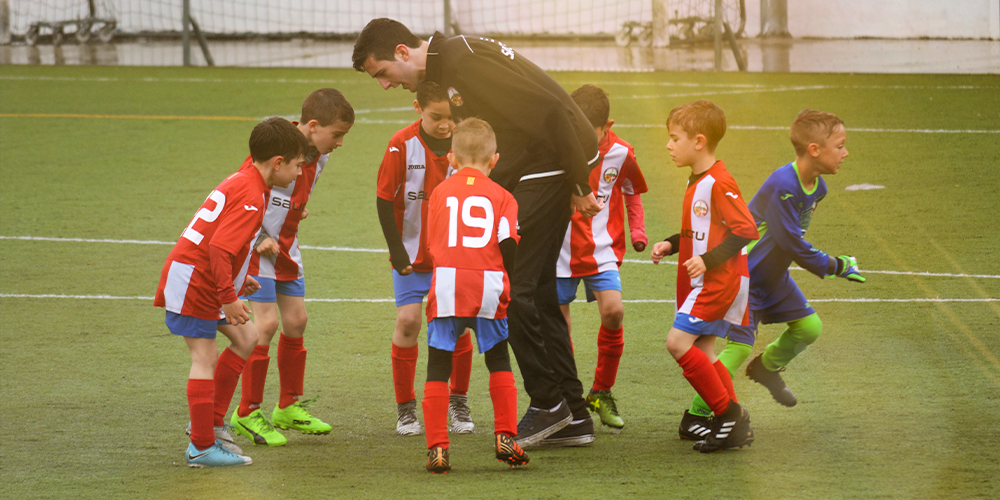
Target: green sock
(732, 357)
(799, 335)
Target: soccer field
(102, 167)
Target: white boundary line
(380, 250)
(378, 301)
(851, 129)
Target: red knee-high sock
(726, 378)
(698, 370)
(291, 369)
(436, 413)
(200, 393)
(503, 392)
(227, 374)
(254, 376)
(461, 365)
(404, 368)
(610, 344)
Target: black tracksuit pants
(539, 336)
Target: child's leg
(610, 339)
(435, 402)
(201, 390)
(690, 352)
(461, 366)
(732, 357)
(265, 318)
(569, 320)
(230, 365)
(503, 392)
(291, 353)
(405, 350)
(800, 334)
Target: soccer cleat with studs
(729, 430)
(407, 423)
(603, 404)
(509, 452)
(214, 456)
(296, 417)
(437, 460)
(694, 427)
(772, 380)
(257, 428)
(223, 437)
(459, 414)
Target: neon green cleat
(603, 403)
(257, 428)
(296, 417)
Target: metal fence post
(718, 35)
(186, 36)
(5, 34)
(447, 18)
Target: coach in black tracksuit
(547, 148)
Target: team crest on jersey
(700, 208)
(454, 97)
(610, 174)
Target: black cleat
(577, 433)
(772, 380)
(694, 427)
(729, 430)
(538, 424)
(437, 460)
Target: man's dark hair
(379, 40)
(277, 136)
(428, 92)
(593, 101)
(327, 106)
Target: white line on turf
(380, 250)
(376, 301)
(852, 129)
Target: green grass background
(897, 399)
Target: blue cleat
(214, 456)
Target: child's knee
(807, 330)
(611, 317)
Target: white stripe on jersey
(241, 278)
(492, 289)
(690, 300)
(563, 269)
(415, 156)
(178, 279)
(700, 226)
(503, 230)
(444, 291)
(738, 310)
(296, 255)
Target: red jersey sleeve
(240, 220)
(733, 208)
(392, 171)
(634, 182)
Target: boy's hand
(660, 250)
(267, 247)
(695, 266)
(250, 287)
(305, 213)
(405, 271)
(237, 313)
(639, 245)
(848, 267)
(586, 205)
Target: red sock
(702, 376)
(200, 393)
(461, 365)
(227, 374)
(254, 376)
(503, 392)
(726, 378)
(610, 344)
(291, 369)
(436, 413)
(404, 368)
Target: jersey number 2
(484, 223)
(207, 215)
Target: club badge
(454, 97)
(700, 208)
(610, 174)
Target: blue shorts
(791, 308)
(189, 326)
(412, 288)
(697, 326)
(600, 282)
(443, 333)
(270, 288)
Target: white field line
(381, 250)
(177, 80)
(851, 129)
(378, 301)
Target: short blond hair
(473, 142)
(700, 117)
(812, 127)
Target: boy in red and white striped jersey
(592, 252)
(713, 282)
(472, 239)
(205, 272)
(415, 163)
(326, 118)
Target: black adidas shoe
(729, 430)
(694, 427)
(538, 424)
(772, 380)
(577, 433)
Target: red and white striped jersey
(597, 244)
(714, 208)
(229, 220)
(469, 215)
(281, 223)
(409, 173)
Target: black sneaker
(577, 433)
(772, 380)
(694, 427)
(729, 430)
(538, 424)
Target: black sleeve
(508, 249)
(387, 217)
(675, 243)
(728, 248)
